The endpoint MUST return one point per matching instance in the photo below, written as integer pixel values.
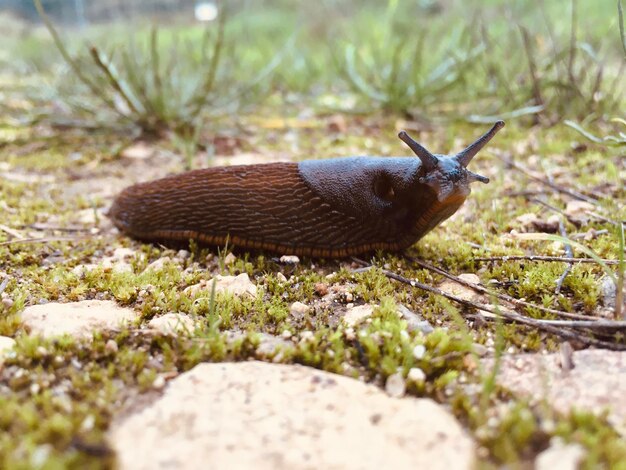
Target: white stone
(414, 322)
(173, 324)
(298, 309)
(356, 315)
(6, 345)
(416, 375)
(270, 346)
(560, 457)
(596, 383)
(239, 286)
(289, 259)
(268, 416)
(77, 319)
(419, 351)
(527, 220)
(138, 151)
(395, 386)
(229, 259)
(159, 264)
(466, 293)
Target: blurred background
(170, 65)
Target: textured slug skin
(322, 208)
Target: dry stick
(10, 231)
(539, 324)
(499, 296)
(42, 240)
(43, 228)
(606, 219)
(548, 205)
(561, 189)
(555, 259)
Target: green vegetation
(285, 81)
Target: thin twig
(42, 228)
(559, 188)
(511, 316)
(503, 297)
(10, 231)
(606, 219)
(555, 259)
(42, 240)
(587, 324)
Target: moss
(57, 398)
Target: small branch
(510, 316)
(554, 259)
(41, 240)
(575, 194)
(10, 231)
(502, 297)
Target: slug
(320, 208)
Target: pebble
(321, 288)
(159, 382)
(239, 286)
(414, 322)
(77, 319)
(158, 264)
(289, 259)
(395, 386)
(173, 324)
(356, 315)
(416, 375)
(6, 346)
(419, 351)
(111, 346)
(229, 259)
(298, 310)
(560, 456)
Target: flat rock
(359, 314)
(77, 319)
(239, 286)
(560, 456)
(173, 324)
(270, 416)
(596, 382)
(414, 321)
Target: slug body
(321, 208)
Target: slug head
(447, 175)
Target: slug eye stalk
(428, 159)
(466, 155)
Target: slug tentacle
(429, 161)
(322, 208)
(470, 152)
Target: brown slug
(322, 208)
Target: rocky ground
(120, 353)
